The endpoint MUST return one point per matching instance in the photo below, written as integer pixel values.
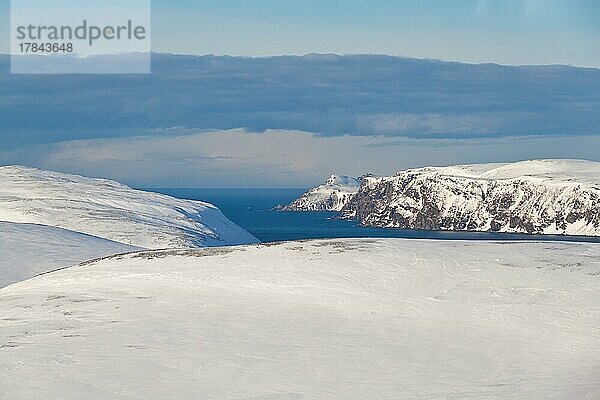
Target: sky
(290, 121)
(280, 158)
(506, 32)
(215, 121)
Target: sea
(255, 210)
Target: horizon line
(290, 55)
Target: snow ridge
(28, 250)
(113, 211)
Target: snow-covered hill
(112, 211)
(333, 195)
(542, 197)
(27, 250)
(337, 319)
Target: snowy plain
(325, 319)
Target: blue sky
(507, 31)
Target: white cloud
(430, 124)
(237, 158)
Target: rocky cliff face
(333, 195)
(541, 197)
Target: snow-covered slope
(27, 250)
(113, 211)
(333, 195)
(544, 196)
(338, 319)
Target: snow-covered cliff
(542, 197)
(110, 210)
(333, 195)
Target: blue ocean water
(253, 210)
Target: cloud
(278, 158)
(290, 121)
(325, 94)
(431, 124)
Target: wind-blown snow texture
(333, 195)
(27, 250)
(337, 319)
(113, 211)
